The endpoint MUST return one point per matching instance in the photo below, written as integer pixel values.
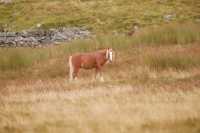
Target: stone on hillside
(168, 16)
(39, 25)
(2, 40)
(18, 38)
(17, 41)
(1, 34)
(25, 44)
(115, 33)
(62, 29)
(5, 28)
(68, 33)
(26, 33)
(10, 34)
(46, 41)
(31, 39)
(59, 36)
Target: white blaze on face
(111, 56)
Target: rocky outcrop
(5, 1)
(42, 38)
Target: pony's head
(110, 54)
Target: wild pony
(89, 61)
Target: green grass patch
(13, 59)
(171, 34)
(190, 125)
(168, 35)
(99, 16)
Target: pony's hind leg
(75, 74)
(95, 74)
(101, 79)
(71, 68)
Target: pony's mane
(102, 51)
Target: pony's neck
(104, 53)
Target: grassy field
(55, 105)
(152, 86)
(97, 15)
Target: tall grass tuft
(13, 59)
(18, 60)
(167, 35)
(173, 61)
(171, 34)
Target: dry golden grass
(56, 105)
(133, 98)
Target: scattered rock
(133, 31)
(5, 28)
(168, 16)
(115, 33)
(39, 25)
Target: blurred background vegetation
(100, 16)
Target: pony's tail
(71, 68)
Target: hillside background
(152, 86)
(100, 16)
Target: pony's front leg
(100, 72)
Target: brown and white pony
(89, 61)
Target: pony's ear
(113, 49)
